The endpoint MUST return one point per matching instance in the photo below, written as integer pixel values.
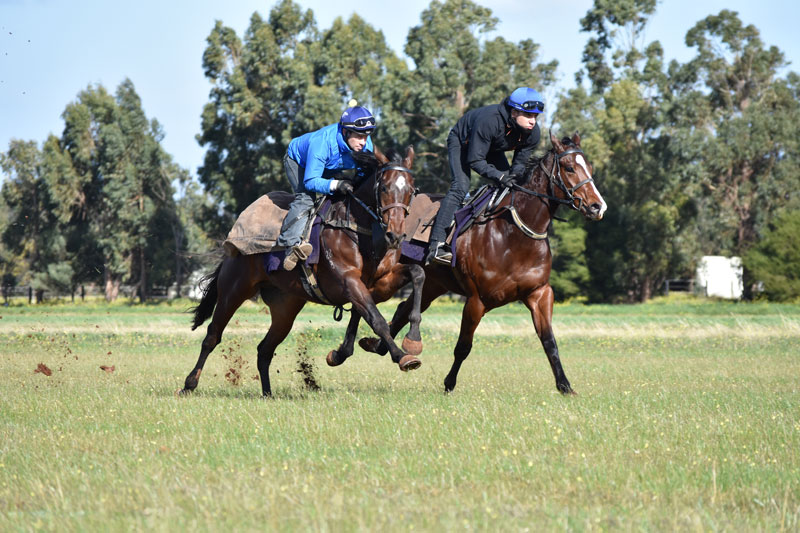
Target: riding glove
(344, 187)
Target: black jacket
(487, 132)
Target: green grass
(688, 418)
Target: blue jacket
(322, 153)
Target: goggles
(366, 122)
(532, 106)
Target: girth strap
(311, 286)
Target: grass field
(687, 418)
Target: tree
(750, 123)
(112, 182)
(627, 136)
(283, 79)
(774, 261)
(35, 246)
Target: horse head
(390, 192)
(571, 177)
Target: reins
(381, 208)
(555, 180)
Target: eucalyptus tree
(34, 247)
(624, 117)
(110, 179)
(748, 117)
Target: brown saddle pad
(421, 213)
(258, 226)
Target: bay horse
(505, 256)
(346, 272)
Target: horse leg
(345, 350)
(540, 304)
(283, 311)
(228, 301)
(365, 306)
(412, 343)
(402, 316)
(470, 318)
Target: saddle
(424, 208)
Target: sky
(50, 50)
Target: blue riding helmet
(358, 119)
(526, 99)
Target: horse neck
(536, 212)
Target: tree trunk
(111, 286)
(142, 277)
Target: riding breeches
(459, 186)
(299, 210)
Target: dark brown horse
(505, 256)
(346, 272)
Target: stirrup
(441, 255)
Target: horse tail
(205, 308)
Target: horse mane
(368, 161)
(533, 161)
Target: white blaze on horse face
(400, 183)
(582, 162)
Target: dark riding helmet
(357, 118)
(526, 99)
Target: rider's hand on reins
(344, 187)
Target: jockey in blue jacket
(314, 163)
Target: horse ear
(576, 139)
(557, 146)
(382, 159)
(409, 159)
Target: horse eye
(569, 169)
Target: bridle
(381, 209)
(556, 180)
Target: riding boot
(438, 252)
(299, 252)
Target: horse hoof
(182, 392)
(412, 347)
(409, 362)
(331, 359)
(369, 344)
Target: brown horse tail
(205, 308)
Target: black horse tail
(205, 308)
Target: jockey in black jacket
(478, 142)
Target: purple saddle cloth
(415, 250)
